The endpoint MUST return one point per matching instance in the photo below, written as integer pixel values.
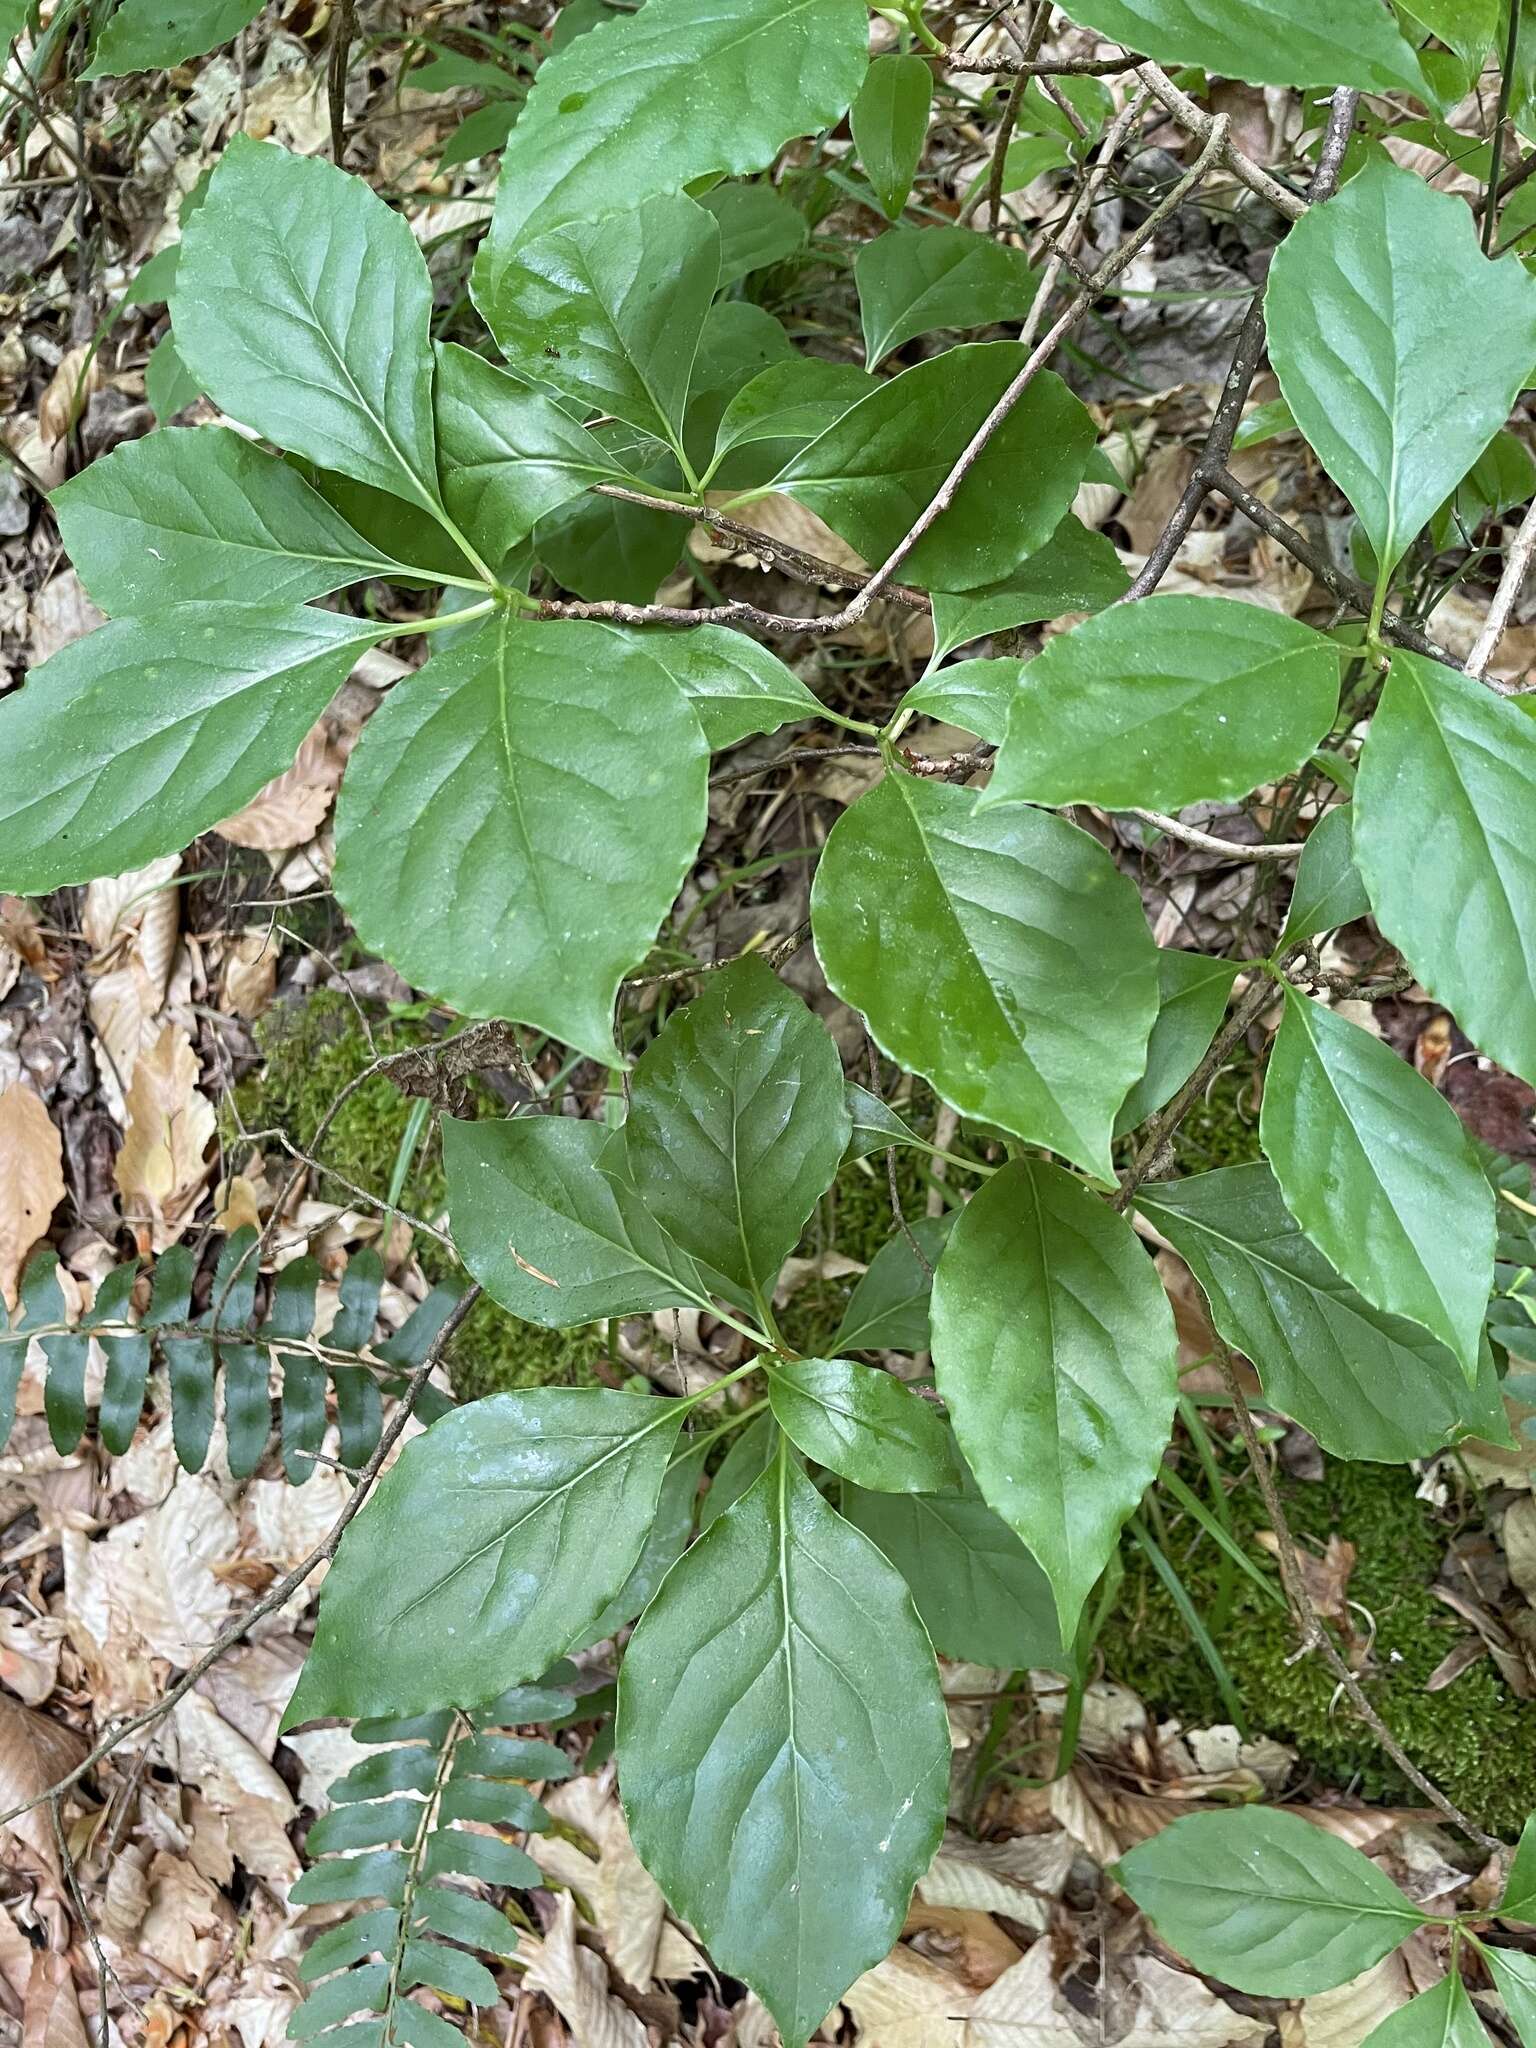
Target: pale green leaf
(1466, 26)
(973, 695)
(863, 1423)
(1376, 1168)
(609, 312)
(1002, 957)
(1517, 1901)
(735, 686)
(1192, 1000)
(1328, 891)
(889, 119)
(155, 35)
(169, 385)
(1514, 1976)
(1459, 899)
(1054, 1349)
(916, 281)
(135, 738)
(517, 819)
(490, 1544)
(876, 469)
(302, 304)
(1378, 372)
(198, 512)
(1166, 703)
(1443, 2017)
(737, 1123)
(1266, 42)
(649, 102)
(1267, 1902)
(1077, 570)
(1366, 1384)
(781, 1728)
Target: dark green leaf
(155, 35)
(1077, 570)
(1378, 1171)
(750, 1455)
(915, 281)
(64, 1393)
(365, 1989)
(1054, 1348)
(603, 548)
(663, 1547)
(369, 1824)
(735, 686)
(369, 1934)
(875, 1125)
(780, 1723)
(452, 1853)
(889, 119)
(131, 741)
(189, 1364)
(169, 385)
(493, 1541)
(556, 780)
(378, 1874)
(1002, 957)
(1193, 993)
(793, 400)
(974, 695)
(758, 226)
(446, 1969)
(247, 1406)
(1266, 42)
(1267, 1902)
(862, 1422)
(1328, 891)
(888, 1310)
(122, 1392)
(1514, 1976)
(461, 1918)
(1518, 1899)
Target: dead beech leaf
(250, 972)
(31, 1180)
(574, 1981)
(1172, 2009)
(1021, 2010)
(290, 809)
(161, 1168)
(61, 612)
(629, 1906)
(906, 2001)
(1345, 2017)
(29, 1655)
(35, 1752)
(78, 375)
(51, 2012)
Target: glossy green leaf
(497, 1536)
(609, 312)
(1054, 1348)
(198, 512)
(1077, 570)
(1443, 2017)
(1166, 703)
(601, 548)
(1466, 26)
(1517, 1901)
(737, 1123)
(1266, 1901)
(462, 1918)
(888, 1309)
(650, 102)
(875, 1124)
(517, 820)
(1460, 900)
(1376, 1168)
(1266, 42)
(132, 740)
(863, 1423)
(793, 400)
(876, 469)
(663, 1547)
(548, 1234)
(735, 686)
(1377, 371)
(1514, 1976)
(509, 455)
(916, 281)
(753, 1449)
(155, 35)
(1328, 890)
(973, 695)
(1193, 993)
(758, 226)
(302, 304)
(1367, 1384)
(1002, 957)
(780, 1725)
(981, 1595)
(889, 119)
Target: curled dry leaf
(35, 1751)
(1347, 2016)
(161, 1169)
(31, 1180)
(69, 389)
(574, 1981)
(133, 923)
(250, 971)
(51, 2011)
(29, 1655)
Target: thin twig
(1208, 842)
(1037, 67)
(1195, 121)
(72, 1881)
(1516, 565)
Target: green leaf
(1193, 993)
(609, 312)
(973, 695)
(1466, 26)
(509, 455)
(302, 303)
(1443, 2017)
(130, 741)
(169, 385)
(794, 400)
(780, 1725)
(1378, 1171)
(750, 1455)
(981, 1595)
(1266, 1902)
(663, 1547)
(1077, 570)
(497, 1536)
(735, 686)
(889, 120)
(1444, 747)
(603, 548)
(1002, 957)
(156, 35)
(737, 1123)
(548, 1234)
(1328, 891)
(1166, 703)
(462, 1918)
(1518, 1899)
(862, 1422)
(916, 281)
(1381, 382)
(1514, 1977)
(888, 1309)
(875, 1125)
(1367, 1384)
(198, 512)
(1266, 42)
(758, 226)
(650, 102)
(517, 820)
(1054, 1348)
(876, 469)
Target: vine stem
(1314, 1636)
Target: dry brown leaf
(1021, 2009)
(70, 386)
(34, 1752)
(1345, 2017)
(291, 808)
(628, 1903)
(238, 1783)
(1016, 1877)
(1171, 2009)
(61, 612)
(31, 1180)
(188, 1922)
(1518, 1535)
(51, 2012)
(250, 971)
(971, 1944)
(161, 1168)
(29, 1655)
(574, 1981)
(906, 2001)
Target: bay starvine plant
(520, 814)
